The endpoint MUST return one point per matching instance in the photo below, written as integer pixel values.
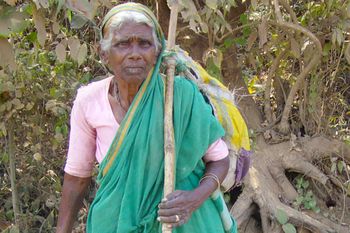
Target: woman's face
(133, 52)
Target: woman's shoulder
(93, 90)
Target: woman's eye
(122, 44)
(145, 44)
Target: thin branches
(284, 125)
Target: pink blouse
(93, 128)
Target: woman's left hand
(178, 207)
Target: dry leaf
(252, 60)
(295, 48)
(251, 39)
(83, 7)
(347, 53)
(74, 45)
(55, 27)
(44, 3)
(266, 2)
(11, 2)
(60, 52)
(82, 54)
(39, 22)
(7, 57)
(262, 29)
(308, 53)
(106, 3)
(37, 4)
(254, 4)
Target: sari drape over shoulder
(131, 175)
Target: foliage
(282, 218)
(48, 51)
(305, 199)
(44, 62)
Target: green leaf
(59, 6)
(211, 3)
(305, 184)
(299, 200)
(5, 158)
(243, 18)
(289, 228)
(340, 166)
(326, 48)
(333, 167)
(316, 210)
(240, 41)
(78, 21)
(311, 204)
(246, 31)
(14, 229)
(281, 216)
(228, 43)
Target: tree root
(267, 186)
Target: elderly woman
(118, 122)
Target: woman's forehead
(132, 29)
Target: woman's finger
(169, 219)
(173, 195)
(182, 221)
(169, 212)
(174, 203)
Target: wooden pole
(169, 142)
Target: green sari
(131, 175)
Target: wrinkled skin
(132, 54)
(183, 203)
(131, 57)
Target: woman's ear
(103, 54)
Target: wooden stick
(169, 142)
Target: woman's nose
(135, 52)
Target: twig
(286, 5)
(11, 151)
(284, 125)
(272, 72)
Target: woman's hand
(178, 207)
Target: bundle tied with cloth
(225, 110)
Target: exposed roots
(268, 188)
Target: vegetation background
(287, 60)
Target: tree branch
(272, 72)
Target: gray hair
(123, 17)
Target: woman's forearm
(208, 185)
(73, 191)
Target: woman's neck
(124, 91)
